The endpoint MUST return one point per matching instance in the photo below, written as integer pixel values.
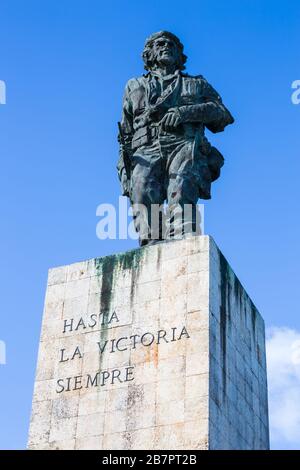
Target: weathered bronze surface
(164, 154)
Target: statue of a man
(164, 154)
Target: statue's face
(165, 51)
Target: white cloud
(283, 362)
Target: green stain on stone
(107, 268)
(244, 300)
(158, 261)
(131, 260)
(238, 291)
(253, 315)
(225, 314)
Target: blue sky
(65, 65)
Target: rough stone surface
(182, 364)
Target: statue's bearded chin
(165, 60)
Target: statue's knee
(175, 194)
(183, 191)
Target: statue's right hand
(171, 119)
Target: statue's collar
(155, 73)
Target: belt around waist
(148, 134)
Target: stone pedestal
(156, 348)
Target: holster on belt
(144, 136)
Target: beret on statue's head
(148, 49)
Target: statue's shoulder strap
(206, 87)
(134, 83)
(197, 77)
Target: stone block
(156, 348)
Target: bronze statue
(164, 154)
